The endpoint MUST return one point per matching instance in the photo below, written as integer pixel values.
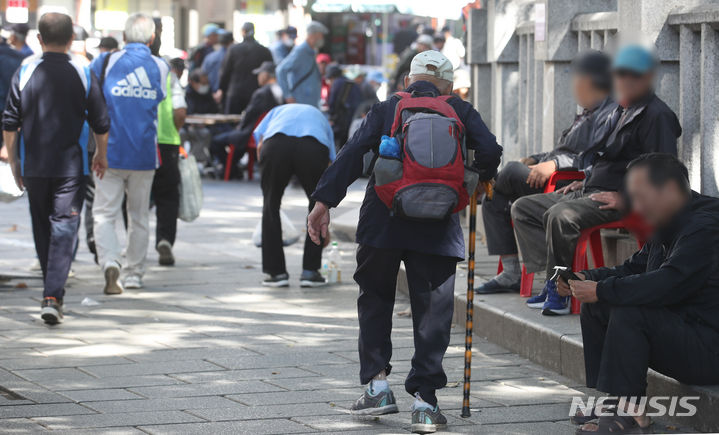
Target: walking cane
(470, 297)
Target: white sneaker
(133, 282)
(164, 248)
(112, 278)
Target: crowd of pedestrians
(116, 122)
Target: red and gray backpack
(428, 182)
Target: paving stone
(241, 412)
(165, 404)
(326, 396)
(191, 354)
(244, 375)
(56, 362)
(120, 419)
(64, 374)
(113, 382)
(105, 394)
(289, 359)
(209, 389)
(103, 431)
(43, 410)
(19, 425)
(258, 427)
(151, 368)
(521, 414)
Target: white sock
(377, 385)
(511, 273)
(419, 403)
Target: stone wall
(520, 53)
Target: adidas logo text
(135, 85)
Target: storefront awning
(446, 9)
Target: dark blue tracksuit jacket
(376, 227)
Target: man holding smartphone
(660, 309)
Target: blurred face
(263, 78)
(322, 66)
(657, 205)
(439, 45)
(583, 90)
(630, 87)
(202, 86)
(213, 39)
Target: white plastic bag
(190, 189)
(290, 234)
(8, 189)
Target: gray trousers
(548, 225)
(510, 185)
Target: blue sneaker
(556, 305)
(539, 300)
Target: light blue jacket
(299, 77)
(135, 83)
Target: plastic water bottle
(389, 147)
(334, 260)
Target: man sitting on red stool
(591, 86)
(659, 309)
(263, 100)
(547, 226)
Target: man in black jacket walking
(547, 226)
(237, 81)
(660, 309)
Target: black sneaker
(382, 402)
(164, 248)
(312, 278)
(51, 311)
(426, 419)
(281, 280)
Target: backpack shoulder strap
(105, 62)
(426, 104)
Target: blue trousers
(55, 206)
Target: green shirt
(166, 132)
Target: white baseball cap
(433, 63)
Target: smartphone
(565, 273)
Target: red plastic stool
(593, 237)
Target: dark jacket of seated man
(547, 226)
(659, 309)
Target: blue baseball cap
(376, 76)
(634, 58)
(210, 29)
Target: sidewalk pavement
(205, 349)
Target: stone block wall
(520, 52)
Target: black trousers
(621, 343)
(510, 185)
(282, 157)
(166, 194)
(219, 153)
(431, 286)
(55, 207)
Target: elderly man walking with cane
(420, 229)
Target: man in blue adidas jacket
(50, 98)
(133, 82)
(430, 252)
